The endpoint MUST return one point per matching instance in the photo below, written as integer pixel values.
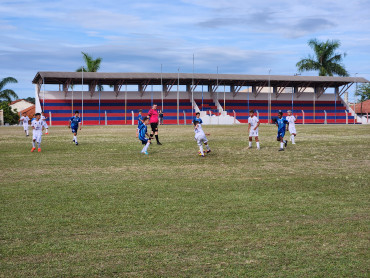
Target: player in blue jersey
(73, 124)
(281, 123)
(139, 122)
(197, 118)
(143, 132)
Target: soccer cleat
(258, 148)
(33, 150)
(159, 143)
(27, 135)
(208, 151)
(293, 143)
(76, 143)
(286, 143)
(202, 155)
(73, 140)
(146, 153)
(281, 150)
(39, 150)
(47, 133)
(249, 147)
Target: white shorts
(253, 133)
(201, 140)
(37, 136)
(25, 126)
(292, 130)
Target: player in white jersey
(37, 125)
(200, 137)
(44, 119)
(291, 119)
(253, 124)
(24, 119)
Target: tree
(30, 99)
(7, 94)
(325, 59)
(10, 117)
(91, 66)
(363, 91)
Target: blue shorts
(74, 129)
(280, 134)
(144, 141)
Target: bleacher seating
(312, 115)
(62, 111)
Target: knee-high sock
(293, 138)
(33, 144)
(26, 132)
(258, 145)
(39, 144)
(208, 148)
(75, 138)
(201, 150)
(250, 143)
(281, 145)
(146, 146)
(156, 138)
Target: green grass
(103, 209)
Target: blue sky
(239, 36)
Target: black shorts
(154, 127)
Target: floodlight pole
(355, 97)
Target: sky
(238, 36)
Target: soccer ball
(200, 154)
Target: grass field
(104, 209)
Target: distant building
(21, 105)
(361, 111)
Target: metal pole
(178, 95)
(269, 99)
(43, 96)
(354, 118)
(72, 101)
(161, 87)
(302, 117)
(202, 97)
(126, 103)
(217, 92)
(106, 118)
(133, 118)
(326, 121)
(99, 107)
(335, 95)
(224, 97)
(184, 117)
(314, 99)
(50, 118)
(82, 110)
(292, 99)
(192, 89)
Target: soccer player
(292, 119)
(44, 119)
(197, 118)
(25, 121)
(142, 132)
(200, 137)
(253, 124)
(139, 122)
(73, 124)
(281, 123)
(37, 125)
(153, 115)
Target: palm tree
(7, 94)
(91, 66)
(325, 60)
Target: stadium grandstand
(314, 99)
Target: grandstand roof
(132, 78)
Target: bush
(10, 117)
